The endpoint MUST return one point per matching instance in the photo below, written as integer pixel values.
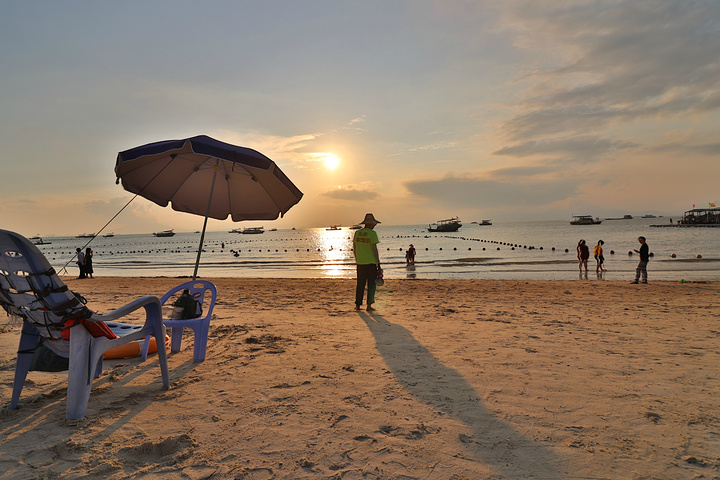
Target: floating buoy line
(56, 253)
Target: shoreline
(465, 378)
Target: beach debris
(653, 417)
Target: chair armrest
(126, 309)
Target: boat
(356, 227)
(585, 220)
(697, 217)
(649, 216)
(485, 222)
(273, 230)
(334, 227)
(40, 241)
(108, 235)
(164, 233)
(36, 237)
(252, 230)
(85, 235)
(624, 217)
(449, 225)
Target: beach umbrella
(207, 177)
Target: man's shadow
(493, 442)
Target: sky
(415, 110)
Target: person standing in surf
(367, 260)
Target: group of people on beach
(84, 261)
(369, 273)
(583, 253)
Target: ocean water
(519, 250)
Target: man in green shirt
(368, 261)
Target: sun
(331, 162)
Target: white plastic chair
(31, 290)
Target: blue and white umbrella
(207, 177)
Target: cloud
(610, 66)
(461, 192)
(582, 147)
(352, 192)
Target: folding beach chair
(55, 318)
(200, 325)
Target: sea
(538, 250)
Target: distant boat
(86, 235)
(584, 220)
(334, 227)
(36, 237)
(164, 233)
(108, 235)
(486, 222)
(40, 241)
(649, 216)
(273, 230)
(356, 227)
(252, 230)
(624, 217)
(449, 225)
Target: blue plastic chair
(31, 290)
(200, 325)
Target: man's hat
(369, 220)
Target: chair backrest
(197, 289)
(30, 288)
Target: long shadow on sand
(494, 443)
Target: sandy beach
(447, 379)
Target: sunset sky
(413, 110)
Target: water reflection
(335, 249)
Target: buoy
(673, 256)
(698, 256)
(630, 253)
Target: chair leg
(176, 339)
(29, 341)
(201, 336)
(145, 347)
(79, 377)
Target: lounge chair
(200, 325)
(56, 318)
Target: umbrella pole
(202, 235)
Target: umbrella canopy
(247, 185)
(207, 177)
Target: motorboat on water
(356, 227)
(40, 241)
(86, 235)
(334, 227)
(448, 225)
(624, 217)
(252, 230)
(108, 235)
(164, 233)
(585, 220)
